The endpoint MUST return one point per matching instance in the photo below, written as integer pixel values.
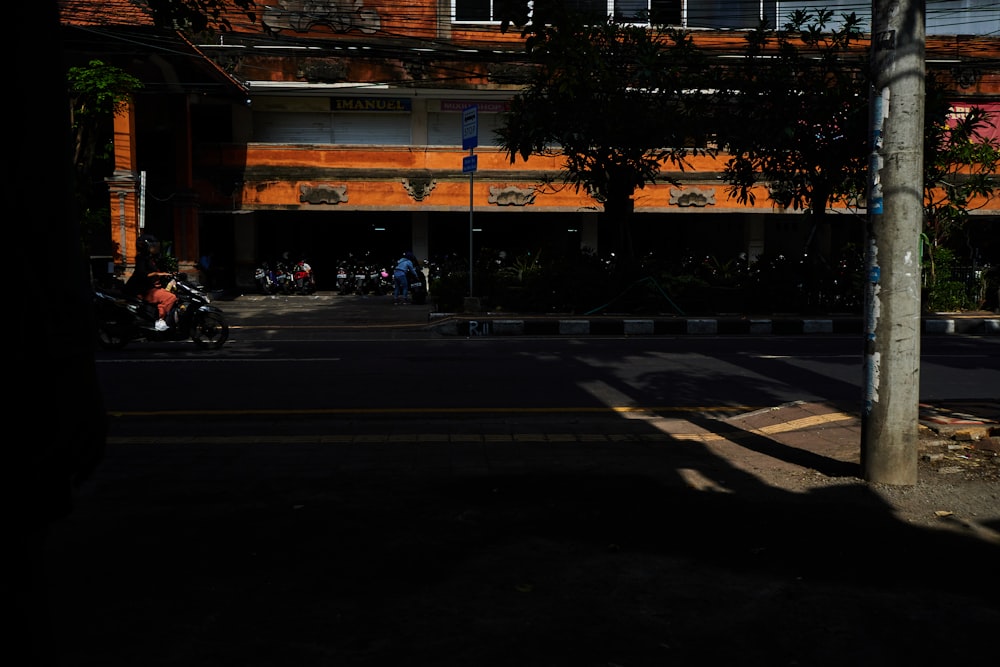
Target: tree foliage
(195, 16)
(798, 113)
(961, 165)
(97, 93)
(614, 100)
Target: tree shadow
(502, 553)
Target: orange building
(335, 127)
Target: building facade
(342, 127)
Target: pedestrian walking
(405, 271)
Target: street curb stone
(459, 324)
(335, 310)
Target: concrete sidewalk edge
(491, 324)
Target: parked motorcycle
(266, 279)
(385, 284)
(345, 283)
(121, 320)
(305, 280)
(362, 279)
(418, 287)
(284, 278)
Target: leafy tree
(98, 92)
(614, 100)
(800, 124)
(195, 16)
(961, 165)
(798, 118)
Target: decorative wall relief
(323, 194)
(418, 188)
(338, 15)
(781, 195)
(511, 196)
(693, 197)
(597, 196)
(316, 70)
(509, 73)
(416, 70)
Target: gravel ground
(958, 487)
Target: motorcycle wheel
(209, 330)
(112, 335)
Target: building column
(185, 213)
(419, 234)
(755, 237)
(123, 188)
(588, 231)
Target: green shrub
(585, 283)
(941, 291)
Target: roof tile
(105, 12)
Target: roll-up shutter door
(379, 129)
(293, 128)
(445, 128)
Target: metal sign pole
(470, 139)
(472, 176)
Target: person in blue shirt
(406, 270)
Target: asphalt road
(364, 501)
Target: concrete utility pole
(890, 416)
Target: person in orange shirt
(148, 280)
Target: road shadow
(501, 553)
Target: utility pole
(891, 412)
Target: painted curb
(486, 325)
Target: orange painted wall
(427, 20)
(374, 180)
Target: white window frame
(763, 6)
(454, 14)
(944, 17)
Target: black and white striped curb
(490, 325)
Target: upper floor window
(491, 10)
(473, 10)
(948, 17)
(682, 13)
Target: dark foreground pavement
(746, 542)
(480, 543)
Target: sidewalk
(745, 541)
(345, 312)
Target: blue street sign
(470, 127)
(469, 163)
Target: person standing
(206, 265)
(401, 275)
